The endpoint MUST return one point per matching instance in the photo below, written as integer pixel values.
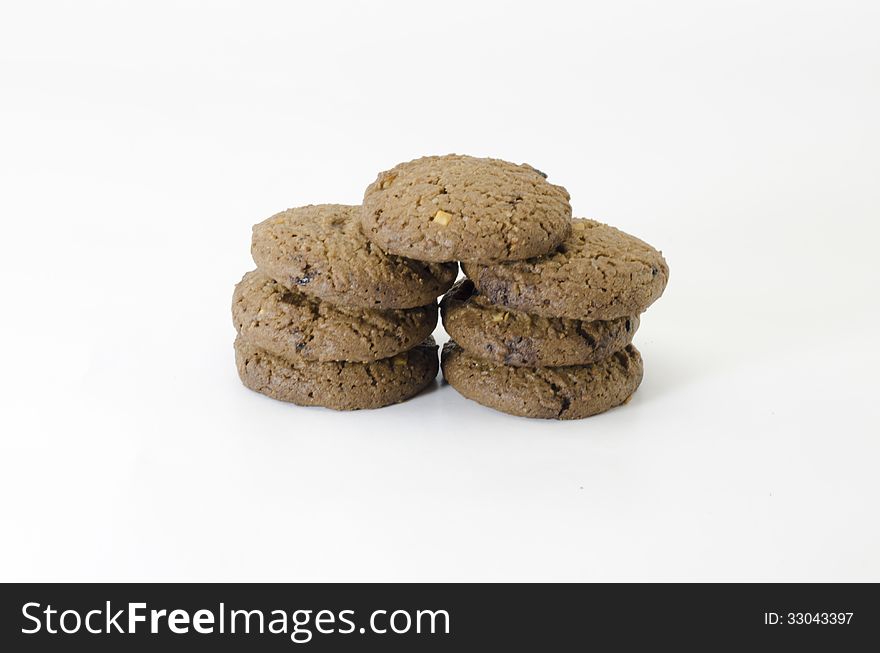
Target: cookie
(598, 273)
(338, 385)
(293, 325)
(569, 392)
(521, 339)
(461, 208)
(320, 250)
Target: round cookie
(521, 339)
(320, 250)
(293, 325)
(338, 385)
(598, 273)
(548, 392)
(462, 208)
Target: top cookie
(461, 208)
(320, 250)
(598, 273)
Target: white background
(138, 144)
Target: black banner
(434, 617)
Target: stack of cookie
(542, 326)
(340, 309)
(329, 319)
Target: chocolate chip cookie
(462, 208)
(321, 251)
(513, 338)
(548, 392)
(338, 385)
(293, 325)
(597, 273)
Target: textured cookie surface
(598, 273)
(547, 392)
(339, 385)
(294, 325)
(522, 339)
(462, 208)
(320, 250)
